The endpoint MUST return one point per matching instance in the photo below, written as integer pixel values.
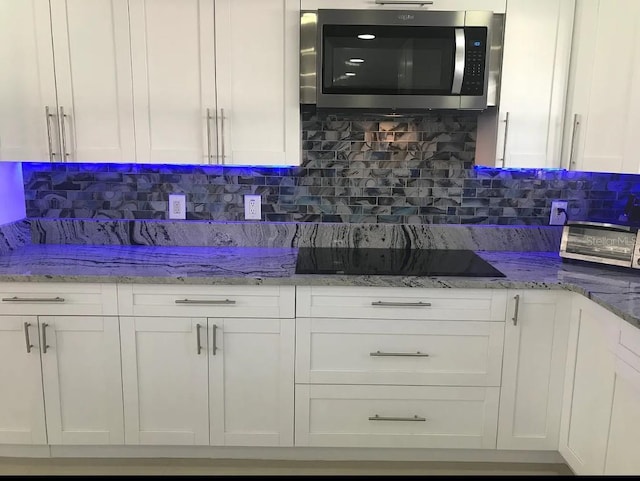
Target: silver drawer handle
(391, 418)
(399, 354)
(198, 301)
(401, 304)
(32, 299)
(516, 310)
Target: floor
(89, 466)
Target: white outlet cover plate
(252, 207)
(177, 206)
(556, 218)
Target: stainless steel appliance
(396, 60)
(603, 243)
(394, 262)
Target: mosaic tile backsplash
(415, 170)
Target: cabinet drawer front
(58, 299)
(207, 301)
(396, 416)
(360, 351)
(401, 303)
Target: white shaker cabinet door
(603, 107)
(624, 432)
(251, 365)
(21, 402)
(93, 78)
(589, 386)
(257, 81)
(537, 43)
(82, 379)
(173, 67)
(164, 370)
(27, 83)
(535, 349)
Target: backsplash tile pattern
(355, 169)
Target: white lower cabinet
(204, 379)
(589, 386)
(624, 432)
(535, 348)
(398, 367)
(60, 365)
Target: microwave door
(458, 69)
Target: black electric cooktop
(393, 262)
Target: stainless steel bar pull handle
(398, 354)
(401, 304)
(26, 336)
(222, 154)
(48, 115)
(209, 156)
(504, 143)
(214, 348)
(63, 135)
(198, 345)
(404, 2)
(44, 338)
(574, 135)
(205, 301)
(32, 299)
(392, 418)
(515, 310)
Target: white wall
(12, 206)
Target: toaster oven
(603, 243)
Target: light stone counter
(616, 290)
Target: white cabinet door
(535, 348)
(537, 43)
(603, 108)
(589, 385)
(257, 81)
(27, 84)
(173, 67)
(82, 379)
(22, 418)
(93, 77)
(251, 363)
(624, 433)
(165, 379)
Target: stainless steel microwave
(400, 60)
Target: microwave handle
(458, 72)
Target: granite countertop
(616, 290)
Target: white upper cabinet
(497, 6)
(173, 63)
(150, 81)
(603, 106)
(537, 42)
(93, 79)
(84, 111)
(257, 53)
(27, 84)
(215, 81)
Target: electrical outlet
(252, 207)
(177, 206)
(558, 215)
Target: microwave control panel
(475, 60)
